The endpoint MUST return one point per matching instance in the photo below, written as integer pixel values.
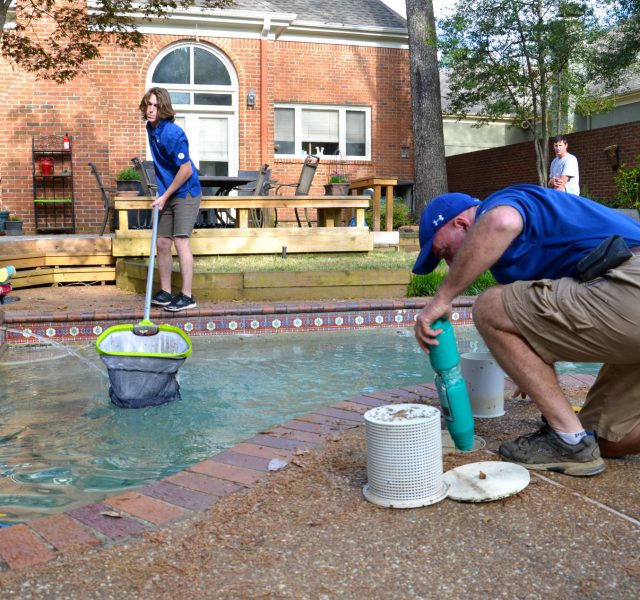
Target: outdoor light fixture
(251, 97)
(613, 155)
(404, 151)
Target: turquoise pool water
(63, 444)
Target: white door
(212, 143)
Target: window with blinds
(323, 131)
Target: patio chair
(106, 196)
(303, 185)
(149, 187)
(259, 187)
(147, 175)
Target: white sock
(571, 438)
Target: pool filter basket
(404, 456)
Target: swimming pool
(63, 444)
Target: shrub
(627, 181)
(427, 285)
(401, 215)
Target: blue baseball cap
(437, 214)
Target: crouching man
(532, 239)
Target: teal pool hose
(452, 389)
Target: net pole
(152, 256)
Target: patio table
(224, 184)
(357, 187)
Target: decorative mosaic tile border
(87, 330)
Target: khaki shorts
(596, 321)
(178, 217)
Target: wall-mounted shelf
(53, 197)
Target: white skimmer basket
(404, 456)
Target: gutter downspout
(264, 91)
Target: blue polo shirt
(559, 229)
(170, 150)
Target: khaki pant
(178, 216)
(596, 321)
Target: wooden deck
(51, 260)
(328, 236)
(76, 258)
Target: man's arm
(184, 173)
(485, 243)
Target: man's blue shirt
(170, 150)
(559, 229)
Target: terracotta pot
(336, 189)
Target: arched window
(203, 86)
(195, 76)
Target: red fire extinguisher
(66, 144)
(46, 166)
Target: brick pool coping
(227, 319)
(238, 468)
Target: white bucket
(404, 456)
(485, 384)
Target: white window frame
(342, 129)
(190, 112)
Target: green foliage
(337, 179)
(427, 285)
(532, 61)
(128, 174)
(401, 215)
(78, 33)
(627, 181)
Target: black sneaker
(162, 298)
(545, 451)
(181, 302)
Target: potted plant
(13, 226)
(128, 180)
(338, 181)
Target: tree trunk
(428, 137)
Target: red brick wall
(481, 173)
(99, 110)
(375, 77)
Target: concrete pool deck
(230, 528)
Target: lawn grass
(420, 285)
(377, 259)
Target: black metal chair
(307, 173)
(147, 175)
(149, 187)
(259, 187)
(105, 192)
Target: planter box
(278, 285)
(13, 228)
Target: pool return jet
(143, 359)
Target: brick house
(264, 82)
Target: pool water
(63, 444)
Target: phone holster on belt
(608, 255)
